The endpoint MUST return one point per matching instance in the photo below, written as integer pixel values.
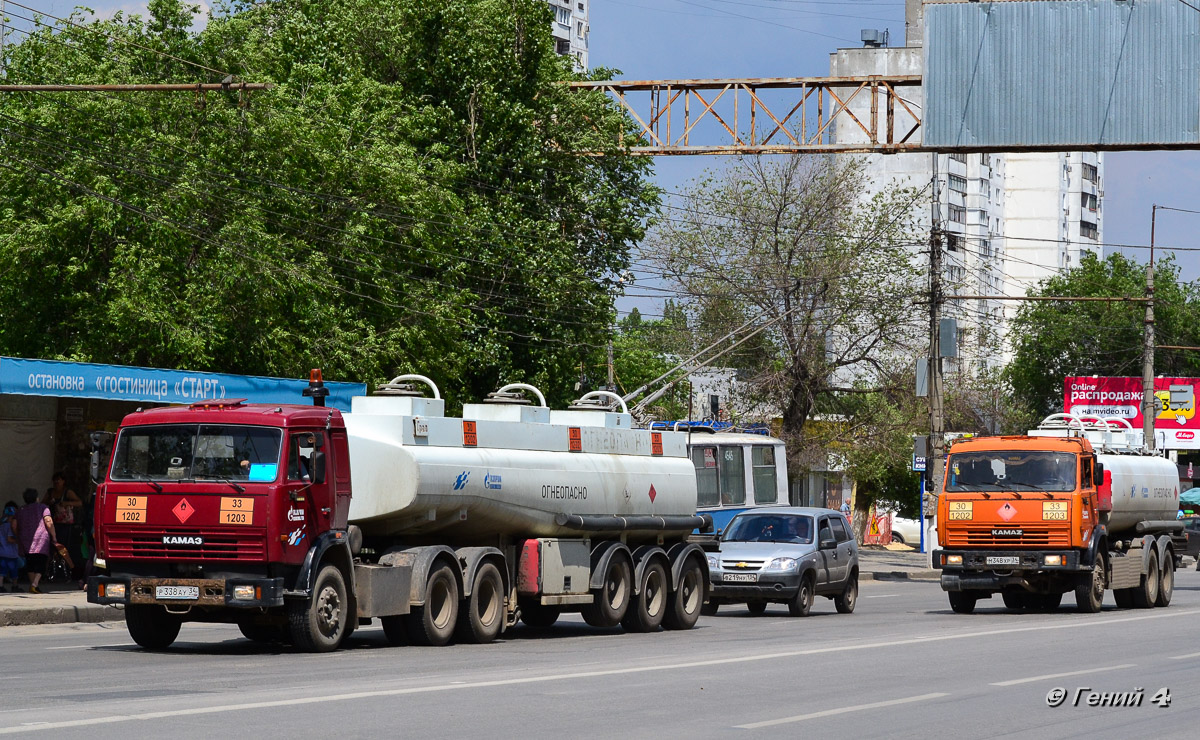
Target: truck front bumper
(993, 570)
(187, 592)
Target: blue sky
(663, 39)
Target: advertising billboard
(1175, 421)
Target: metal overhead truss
(775, 115)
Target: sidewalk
(59, 603)
(894, 563)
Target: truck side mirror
(94, 467)
(318, 465)
(1098, 476)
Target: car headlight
(782, 564)
(713, 561)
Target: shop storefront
(49, 409)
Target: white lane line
(1016, 681)
(840, 710)
(879, 596)
(1071, 624)
(1182, 657)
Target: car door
(844, 552)
(828, 557)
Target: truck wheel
(1089, 593)
(433, 623)
(801, 604)
(848, 598)
(710, 609)
(265, 634)
(1145, 595)
(318, 624)
(756, 608)
(481, 616)
(612, 599)
(688, 600)
(1123, 597)
(1050, 602)
(649, 607)
(538, 616)
(962, 602)
(394, 629)
(1166, 581)
(151, 626)
(1015, 600)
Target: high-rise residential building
(1009, 220)
(570, 30)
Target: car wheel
(801, 603)
(897, 539)
(846, 600)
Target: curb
(900, 575)
(64, 614)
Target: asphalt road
(902, 665)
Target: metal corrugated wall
(1073, 73)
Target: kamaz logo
(1007, 532)
(492, 481)
(182, 539)
(461, 481)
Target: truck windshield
(792, 528)
(197, 452)
(1011, 470)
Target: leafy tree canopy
(1054, 340)
(406, 198)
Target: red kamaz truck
(299, 522)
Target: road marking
(879, 596)
(1016, 681)
(840, 710)
(1189, 655)
(1071, 624)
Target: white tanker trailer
(1076, 505)
(300, 522)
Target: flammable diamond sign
(1120, 398)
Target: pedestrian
(66, 508)
(10, 557)
(35, 532)
(846, 508)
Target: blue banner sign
(122, 383)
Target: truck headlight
(243, 593)
(1053, 560)
(713, 561)
(953, 560)
(782, 564)
(112, 590)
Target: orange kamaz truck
(1076, 505)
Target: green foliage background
(407, 198)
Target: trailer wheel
(395, 629)
(1146, 594)
(1089, 593)
(1166, 581)
(687, 601)
(481, 615)
(611, 600)
(1123, 597)
(710, 609)
(962, 602)
(151, 626)
(433, 623)
(318, 624)
(535, 615)
(648, 608)
(756, 608)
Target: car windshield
(197, 452)
(796, 528)
(1010, 470)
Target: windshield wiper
(143, 477)
(236, 486)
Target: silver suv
(786, 555)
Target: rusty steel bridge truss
(774, 115)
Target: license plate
(176, 592)
(741, 577)
(1004, 560)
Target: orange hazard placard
(574, 439)
(469, 438)
(656, 443)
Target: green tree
(1054, 340)
(405, 198)
(800, 249)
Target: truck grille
(1032, 537)
(218, 544)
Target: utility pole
(612, 387)
(937, 437)
(1148, 404)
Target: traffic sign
(918, 464)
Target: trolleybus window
(733, 476)
(720, 475)
(762, 457)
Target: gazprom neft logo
(461, 481)
(492, 481)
